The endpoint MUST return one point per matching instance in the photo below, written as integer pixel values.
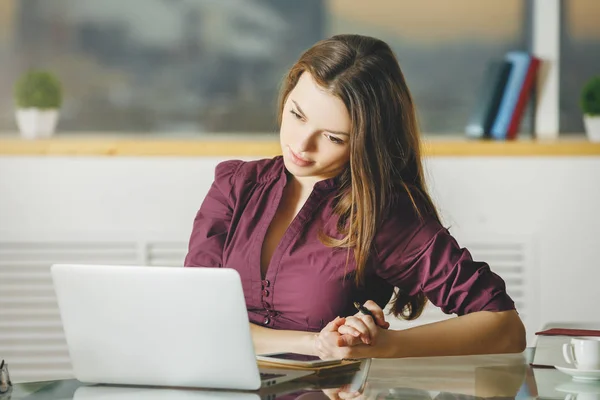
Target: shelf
(267, 146)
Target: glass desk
(433, 378)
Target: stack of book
(503, 97)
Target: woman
(343, 216)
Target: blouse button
(266, 283)
(267, 321)
(265, 293)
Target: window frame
(545, 44)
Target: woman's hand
(364, 326)
(332, 343)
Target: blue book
(520, 64)
(491, 92)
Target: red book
(569, 332)
(528, 84)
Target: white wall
(553, 201)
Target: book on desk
(548, 349)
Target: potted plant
(590, 104)
(38, 97)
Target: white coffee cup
(583, 352)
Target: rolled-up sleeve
(429, 260)
(213, 219)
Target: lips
(299, 161)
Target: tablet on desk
(296, 359)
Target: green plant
(38, 89)
(590, 97)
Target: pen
(363, 309)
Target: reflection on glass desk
(433, 378)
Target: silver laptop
(159, 326)
(143, 393)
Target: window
(203, 67)
(579, 58)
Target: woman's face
(315, 132)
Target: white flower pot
(35, 123)
(592, 127)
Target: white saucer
(581, 374)
(573, 386)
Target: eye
(335, 140)
(295, 114)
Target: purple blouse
(307, 283)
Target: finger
(330, 341)
(377, 313)
(384, 325)
(348, 330)
(348, 340)
(368, 321)
(334, 325)
(371, 326)
(360, 325)
(356, 322)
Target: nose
(306, 142)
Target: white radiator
(513, 258)
(31, 337)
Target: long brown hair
(385, 153)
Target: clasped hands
(357, 336)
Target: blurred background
(214, 66)
(145, 78)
